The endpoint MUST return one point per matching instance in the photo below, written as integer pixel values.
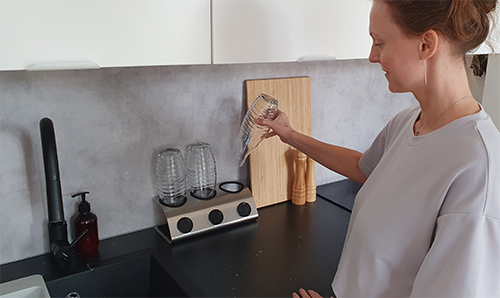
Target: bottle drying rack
(195, 217)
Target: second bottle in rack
(201, 171)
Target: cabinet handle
(64, 66)
(317, 58)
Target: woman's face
(397, 53)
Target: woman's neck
(445, 98)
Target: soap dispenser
(85, 224)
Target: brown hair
(465, 23)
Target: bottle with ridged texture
(201, 171)
(251, 134)
(170, 177)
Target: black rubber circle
(215, 216)
(231, 186)
(185, 225)
(244, 209)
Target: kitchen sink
(26, 287)
(142, 276)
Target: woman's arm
(338, 159)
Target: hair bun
(485, 6)
(465, 23)
(469, 21)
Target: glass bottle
(251, 134)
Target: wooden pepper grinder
(310, 181)
(299, 182)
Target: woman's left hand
(308, 294)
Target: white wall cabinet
(58, 34)
(109, 33)
(251, 31)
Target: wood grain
(310, 180)
(271, 164)
(299, 182)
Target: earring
(425, 72)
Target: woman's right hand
(338, 159)
(279, 127)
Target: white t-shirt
(426, 222)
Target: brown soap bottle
(85, 223)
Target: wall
(110, 122)
(491, 97)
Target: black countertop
(341, 193)
(288, 247)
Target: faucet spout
(58, 233)
(51, 165)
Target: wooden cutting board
(271, 164)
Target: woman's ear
(428, 45)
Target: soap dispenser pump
(85, 225)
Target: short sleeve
(464, 259)
(372, 155)
(395, 126)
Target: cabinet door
(246, 31)
(109, 33)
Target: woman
(427, 220)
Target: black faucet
(61, 250)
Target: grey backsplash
(110, 122)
